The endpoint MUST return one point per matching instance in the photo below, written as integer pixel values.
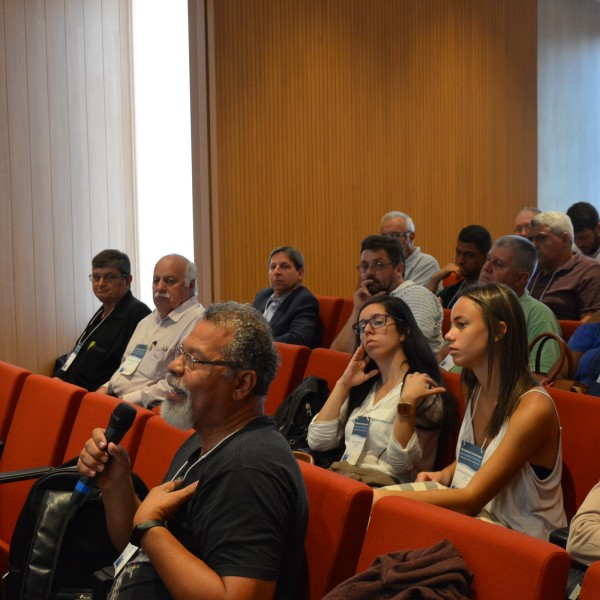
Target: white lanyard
(201, 458)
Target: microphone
(119, 424)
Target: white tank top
(527, 503)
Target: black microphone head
(122, 417)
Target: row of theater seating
(335, 311)
(50, 420)
(579, 416)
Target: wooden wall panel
(67, 182)
(329, 114)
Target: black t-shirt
(449, 295)
(247, 517)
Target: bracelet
(139, 530)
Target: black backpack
(297, 411)
(51, 556)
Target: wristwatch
(140, 530)
(405, 409)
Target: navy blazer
(296, 321)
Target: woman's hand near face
(355, 371)
(418, 386)
(353, 375)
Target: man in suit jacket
(292, 311)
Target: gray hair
(191, 272)
(524, 251)
(396, 214)
(557, 222)
(252, 345)
(532, 209)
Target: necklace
(457, 292)
(398, 379)
(547, 285)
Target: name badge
(71, 357)
(355, 445)
(129, 551)
(131, 364)
(469, 460)
(448, 363)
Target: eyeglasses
(377, 266)
(376, 322)
(108, 277)
(398, 235)
(522, 229)
(189, 361)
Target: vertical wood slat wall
(66, 175)
(329, 114)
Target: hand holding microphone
(120, 422)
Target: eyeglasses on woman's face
(376, 322)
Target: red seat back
(590, 590)
(339, 510)
(446, 451)
(12, 379)
(37, 437)
(345, 312)
(446, 321)
(328, 364)
(157, 449)
(450, 280)
(506, 563)
(329, 314)
(568, 328)
(95, 411)
(579, 416)
(290, 372)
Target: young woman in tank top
(509, 459)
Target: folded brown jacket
(437, 572)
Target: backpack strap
(286, 420)
(46, 544)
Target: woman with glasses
(387, 405)
(509, 460)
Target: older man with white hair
(141, 375)
(418, 266)
(565, 281)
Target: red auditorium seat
(329, 314)
(328, 364)
(590, 590)
(12, 379)
(579, 416)
(157, 449)
(37, 437)
(289, 374)
(95, 411)
(339, 510)
(506, 563)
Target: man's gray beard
(178, 414)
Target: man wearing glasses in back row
(98, 350)
(418, 266)
(381, 272)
